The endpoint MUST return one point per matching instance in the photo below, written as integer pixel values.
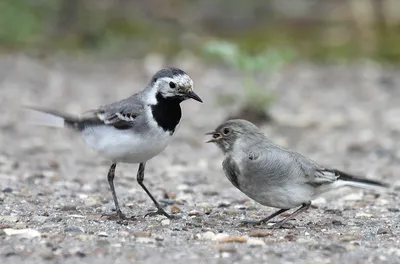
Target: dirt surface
(347, 117)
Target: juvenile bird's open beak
(213, 139)
(194, 96)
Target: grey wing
(322, 177)
(121, 115)
(282, 164)
(314, 174)
(231, 170)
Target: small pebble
(333, 211)
(255, 242)
(175, 209)
(2, 233)
(47, 254)
(159, 238)
(39, 219)
(91, 202)
(68, 208)
(7, 190)
(102, 234)
(77, 216)
(225, 254)
(55, 219)
(290, 237)
(8, 218)
(362, 214)
(260, 233)
(302, 240)
(208, 236)
(170, 195)
(353, 197)
(165, 222)
(167, 201)
(221, 235)
(226, 248)
(232, 239)
(223, 204)
(337, 223)
(240, 207)
(142, 234)
(74, 229)
(145, 240)
(25, 233)
(383, 230)
(20, 225)
(194, 213)
(48, 227)
(348, 238)
(210, 193)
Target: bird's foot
(250, 222)
(159, 211)
(118, 215)
(283, 225)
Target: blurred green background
(323, 30)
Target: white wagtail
(273, 175)
(135, 129)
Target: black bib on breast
(167, 112)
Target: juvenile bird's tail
(350, 180)
(51, 118)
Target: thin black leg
(265, 220)
(303, 208)
(110, 178)
(140, 178)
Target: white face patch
(183, 84)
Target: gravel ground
(54, 190)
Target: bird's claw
(159, 211)
(250, 222)
(282, 224)
(118, 215)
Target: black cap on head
(168, 72)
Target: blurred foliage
(323, 30)
(255, 69)
(23, 23)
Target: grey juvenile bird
(135, 129)
(273, 175)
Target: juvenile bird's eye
(226, 131)
(172, 85)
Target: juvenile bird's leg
(303, 208)
(265, 220)
(140, 178)
(110, 178)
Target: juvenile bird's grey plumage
(132, 130)
(273, 175)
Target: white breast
(126, 145)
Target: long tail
(51, 118)
(350, 180)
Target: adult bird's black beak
(194, 96)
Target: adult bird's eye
(172, 84)
(226, 131)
